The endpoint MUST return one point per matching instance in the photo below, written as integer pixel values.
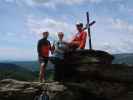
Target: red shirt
(43, 48)
(81, 38)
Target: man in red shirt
(79, 41)
(43, 49)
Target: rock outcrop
(95, 90)
(18, 90)
(86, 74)
(95, 67)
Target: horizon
(35, 60)
(113, 31)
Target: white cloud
(115, 27)
(57, 3)
(61, 1)
(122, 25)
(39, 25)
(113, 35)
(109, 47)
(66, 2)
(53, 3)
(118, 45)
(9, 1)
(13, 53)
(96, 1)
(115, 47)
(125, 8)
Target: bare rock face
(17, 90)
(95, 90)
(82, 75)
(94, 69)
(88, 56)
(80, 64)
(96, 65)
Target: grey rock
(82, 75)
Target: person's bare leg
(44, 73)
(74, 45)
(42, 78)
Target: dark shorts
(43, 60)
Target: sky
(22, 22)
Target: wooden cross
(88, 28)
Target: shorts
(43, 60)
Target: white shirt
(59, 49)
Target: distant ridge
(33, 66)
(8, 70)
(126, 58)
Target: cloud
(111, 31)
(123, 46)
(9, 1)
(56, 3)
(122, 25)
(69, 2)
(124, 29)
(113, 35)
(14, 53)
(119, 44)
(109, 47)
(39, 25)
(125, 8)
(53, 3)
(65, 2)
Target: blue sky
(22, 22)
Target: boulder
(84, 65)
(81, 59)
(19, 90)
(87, 57)
(96, 67)
(95, 90)
(83, 74)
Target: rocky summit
(82, 75)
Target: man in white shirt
(60, 47)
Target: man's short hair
(79, 25)
(46, 32)
(60, 34)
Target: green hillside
(30, 65)
(8, 70)
(123, 59)
(29, 70)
